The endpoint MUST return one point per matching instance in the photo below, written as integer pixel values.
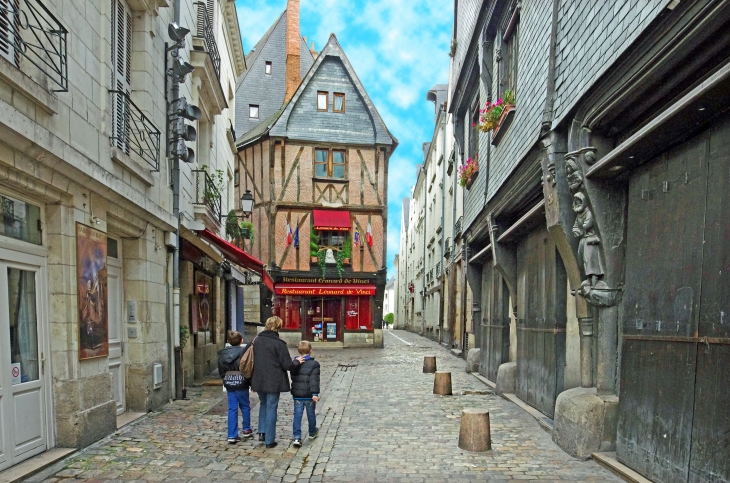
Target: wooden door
(674, 418)
(541, 321)
(117, 367)
(495, 323)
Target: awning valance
(331, 220)
(236, 255)
(316, 290)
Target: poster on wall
(331, 330)
(91, 277)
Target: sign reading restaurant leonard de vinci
(324, 287)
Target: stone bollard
(429, 364)
(474, 433)
(442, 383)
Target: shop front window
(21, 220)
(289, 310)
(358, 314)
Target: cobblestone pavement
(379, 421)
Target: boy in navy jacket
(305, 389)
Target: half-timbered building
(317, 168)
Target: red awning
(331, 220)
(323, 290)
(235, 254)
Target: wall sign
(15, 372)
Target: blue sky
(399, 49)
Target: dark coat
(271, 360)
(229, 360)
(305, 379)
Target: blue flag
(296, 236)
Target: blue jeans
(268, 405)
(299, 405)
(238, 400)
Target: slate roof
(266, 90)
(299, 119)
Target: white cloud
(399, 49)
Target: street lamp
(247, 203)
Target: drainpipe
(175, 92)
(453, 224)
(424, 231)
(443, 218)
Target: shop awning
(331, 220)
(317, 290)
(236, 255)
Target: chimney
(313, 51)
(293, 45)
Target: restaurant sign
(324, 290)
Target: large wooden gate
(674, 414)
(495, 322)
(541, 320)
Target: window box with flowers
(495, 118)
(468, 172)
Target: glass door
(22, 402)
(324, 319)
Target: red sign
(16, 371)
(323, 290)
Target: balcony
(134, 133)
(447, 248)
(457, 228)
(206, 59)
(34, 41)
(207, 197)
(438, 270)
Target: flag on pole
(369, 235)
(357, 236)
(296, 235)
(288, 233)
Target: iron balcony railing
(457, 228)
(206, 193)
(30, 30)
(438, 269)
(133, 131)
(205, 31)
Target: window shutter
(121, 59)
(9, 25)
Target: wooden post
(474, 433)
(442, 383)
(429, 364)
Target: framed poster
(331, 330)
(91, 282)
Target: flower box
(471, 178)
(508, 113)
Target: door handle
(43, 363)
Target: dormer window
(267, 68)
(323, 101)
(339, 102)
(253, 111)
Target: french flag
(369, 235)
(289, 234)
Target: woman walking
(271, 361)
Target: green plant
(313, 241)
(345, 252)
(212, 193)
(184, 336)
(322, 261)
(389, 318)
(233, 229)
(247, 230)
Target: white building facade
(87, 320)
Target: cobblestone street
(378, 418)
